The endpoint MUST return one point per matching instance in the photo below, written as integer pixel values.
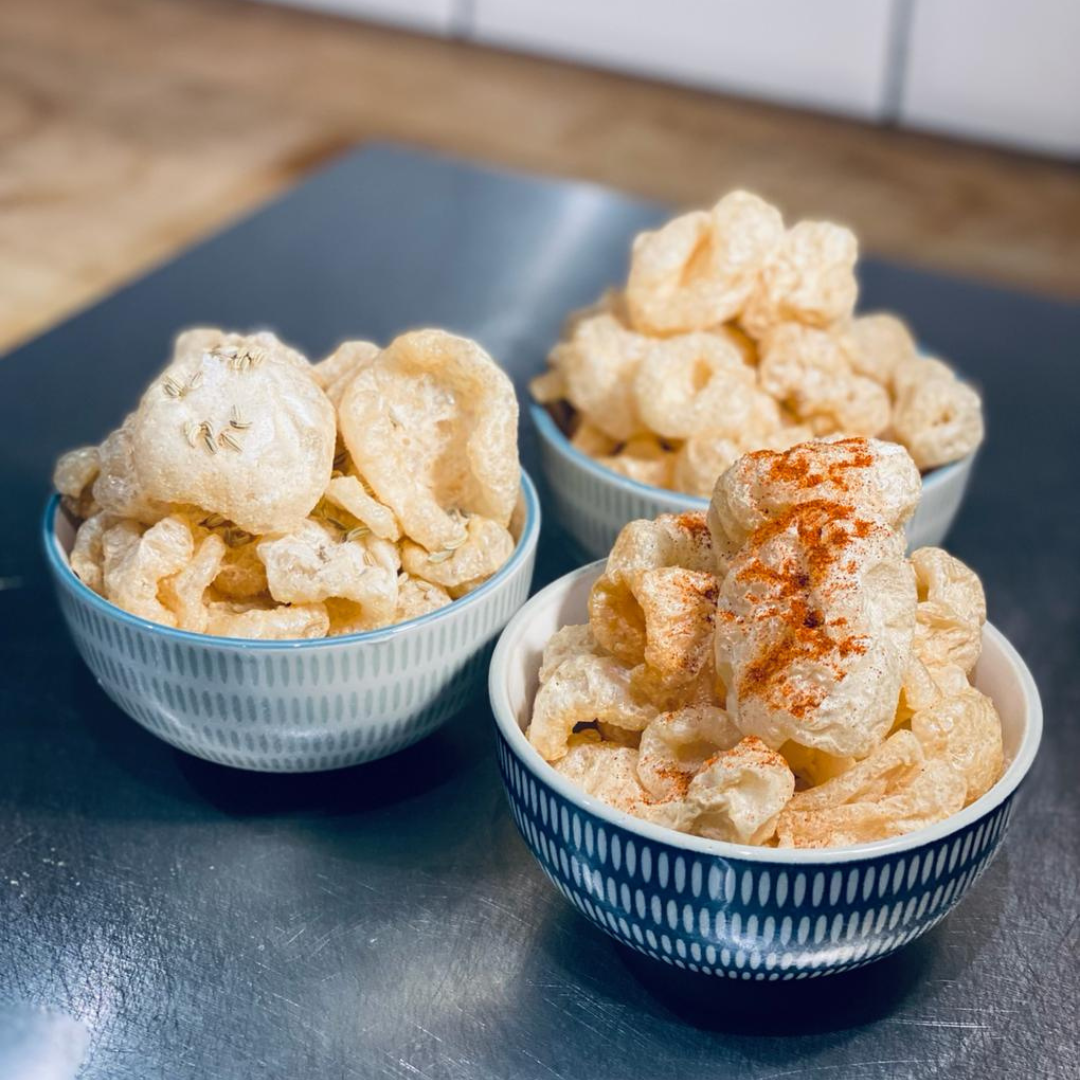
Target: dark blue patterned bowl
(725, 909)
(293, 706)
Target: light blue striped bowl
(293, 706)
(593, 503)
(724, 909)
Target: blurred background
(946, 132)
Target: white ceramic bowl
(593, 503)
(293, 706)
(745, 912)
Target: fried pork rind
(644, 459)
(566, 643)
(76, 472)
(801, 365)
(87, 557)
(417, 597)
(809, 277)
(738, 793)
(964, 730)
(117, 487)
(812, 767)
(266, 621)
(314, 563)
(611, 733)
(185, 592)
(649, 369)
(350, 494)
(242, 575)
(878, 477)
(698, 270)
(338, 369)
(814, 649)
(597, 364)
(349, 617)
(817, 609)
(590, 440)
(581, 690)
(910, 373)
(678, 609)
(548, 387)
(888, 769)
(695, 382)
(895, 790)
(672, 540)
(675, 746)
(788, 435)
(136, 562)
(856, 406)
(814, 631)
(607, 771)
(951, 611)
(918, 690)
(431, 426)
(700, 461)
(880, 343)
(485, 549)
(604, 771)
(240, 428)
(705, 688)
(934, 792)
(611, 302)
(937, 417)
(193, 343)
(811, 371)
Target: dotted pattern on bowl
(742, 919)
(295, 706)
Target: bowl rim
(528, 756)
(553, 435)
(525, 547)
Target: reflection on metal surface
(386, 921)
(37, 1044)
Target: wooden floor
(129, 128)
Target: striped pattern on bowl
(293, 706)
(593, 503)
(725, 909)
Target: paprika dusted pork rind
(734, 334)
(781, 673)
(230, 503)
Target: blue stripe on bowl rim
(544, 773)
(530, 533)
(554, 436)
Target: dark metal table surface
(164, 917)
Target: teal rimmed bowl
(293, 706)
(593, 503)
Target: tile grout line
(901, 18)
(463, 19)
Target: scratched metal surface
(162, 917)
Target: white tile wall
(432, 15)
(826, 53)
(1004, 70)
